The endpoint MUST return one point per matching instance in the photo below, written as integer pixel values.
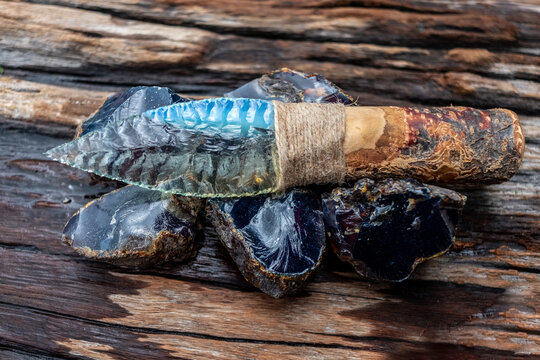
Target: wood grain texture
(169, 41)
(436, 145)
(62, 58)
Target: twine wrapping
(309, 140)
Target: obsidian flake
(384, 229)
(292, 86)
(277, 241)
(131, 102)
(135, 227)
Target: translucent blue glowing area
(244, 117)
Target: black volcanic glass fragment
(384, 229)
(277, 241)
(292, 86)
(133, 226)
(131, 102)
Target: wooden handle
(448, 144)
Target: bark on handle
(443, 145)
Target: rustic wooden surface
(60, 59)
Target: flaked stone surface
(384, 229)
(292, 86)
(160, 156)
(277, 241)
(131, 102)
(136, 227)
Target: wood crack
(144, 330)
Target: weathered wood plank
(62, 58)
(102, 340)
(480, 316)
(484, 293)
(14, 351)
(93, 48)
(39, 103)
(419, 23)
(307, 20)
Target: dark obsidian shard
(133, 226)
(277, 241)
(129, 103)
(384, 229)
(292, 86)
